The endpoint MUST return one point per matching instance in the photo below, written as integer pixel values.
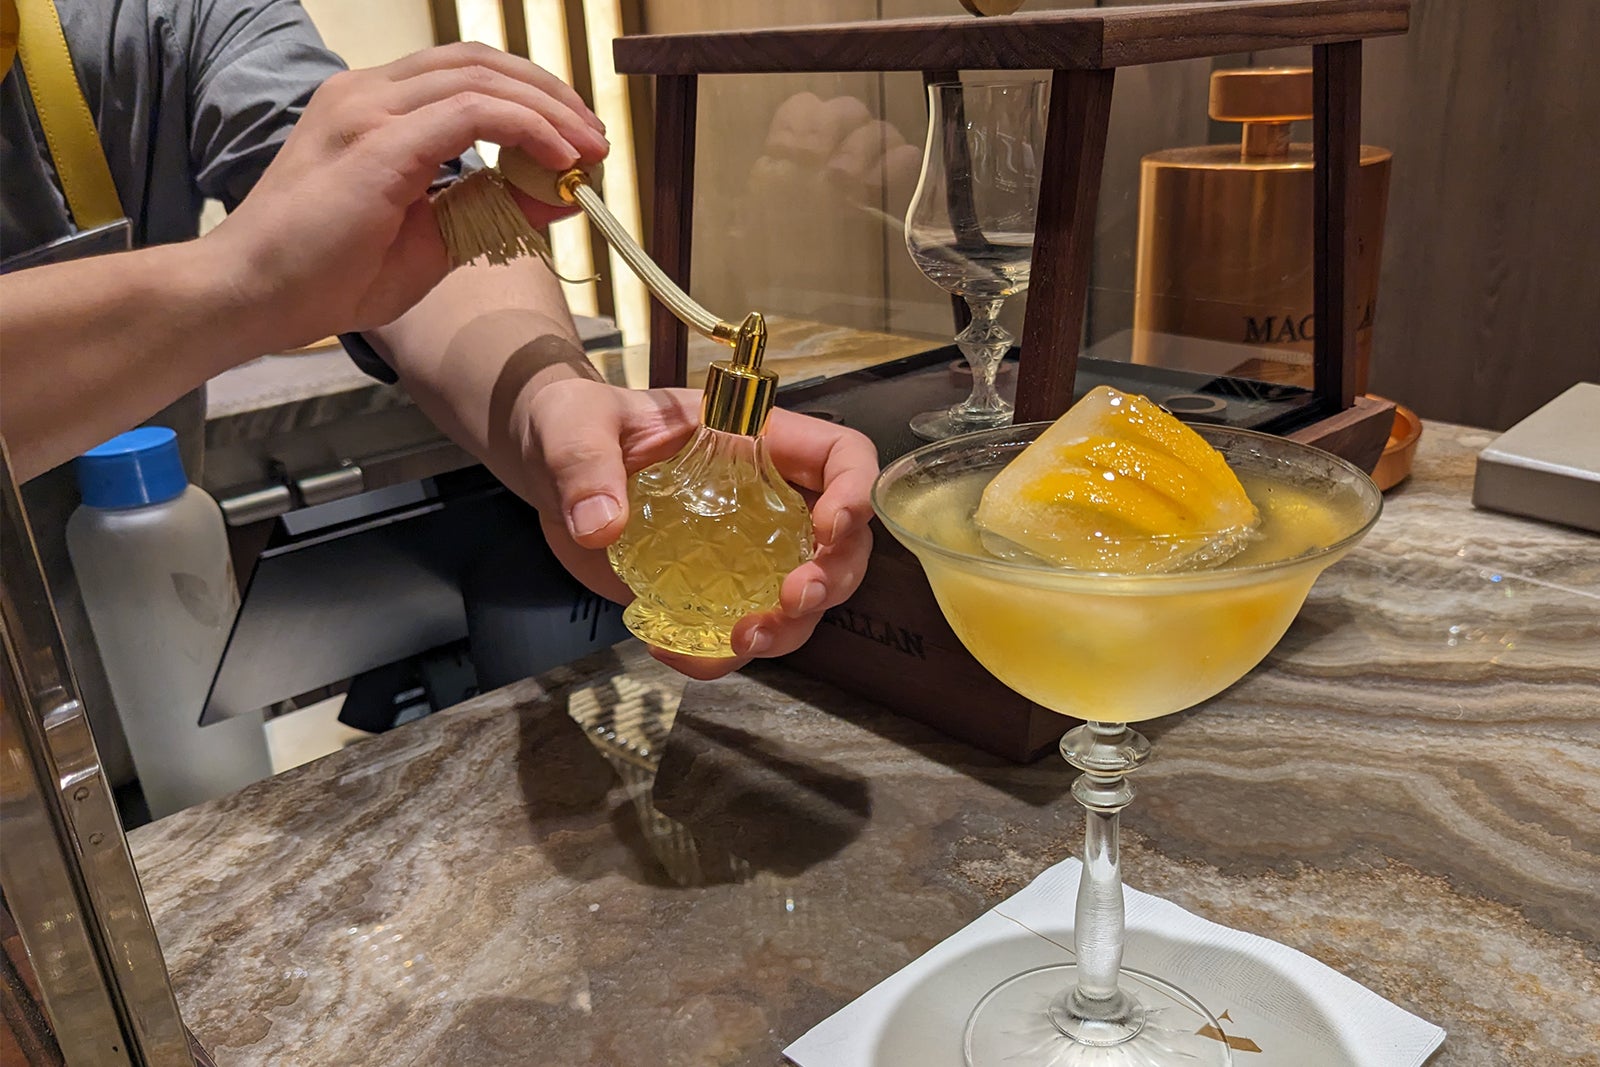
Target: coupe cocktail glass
(1113, 649)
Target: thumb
(582, 452)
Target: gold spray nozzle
(478, 218)
(740, 392)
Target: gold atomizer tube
(574, 188)
(477, 217)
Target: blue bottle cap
(132, 469)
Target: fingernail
(811, 596)
(759, 642)
(842, 524)
(592, 514)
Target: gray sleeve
(252, 67)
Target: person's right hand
(339, 235)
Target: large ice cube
(1117, 484)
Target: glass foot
(1020, 1023)
(949, 422)
(692, 637)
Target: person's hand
(339, 229)
(584, 438)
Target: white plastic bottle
(151, 555)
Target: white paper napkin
(1280, 1007)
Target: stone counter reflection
(560, 873)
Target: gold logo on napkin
(1238, 1044)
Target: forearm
(475, 351)
(93, 347)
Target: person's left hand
(582, 439)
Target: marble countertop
(1408, 789)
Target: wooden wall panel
(368, 33)
(1490, 293)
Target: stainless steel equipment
(67, 877)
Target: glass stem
(1099, 926)
(984, 342)
(1105, 752)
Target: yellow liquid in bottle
(711, 534)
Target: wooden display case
(890, 641)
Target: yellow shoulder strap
(8, 35)
(64, 116)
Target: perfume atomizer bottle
(1224, 276)
(713, 531)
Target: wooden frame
(1083, 39)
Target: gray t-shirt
(192, 98)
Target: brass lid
(739, 393)
(1260, 94)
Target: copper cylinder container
(1224, 273)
